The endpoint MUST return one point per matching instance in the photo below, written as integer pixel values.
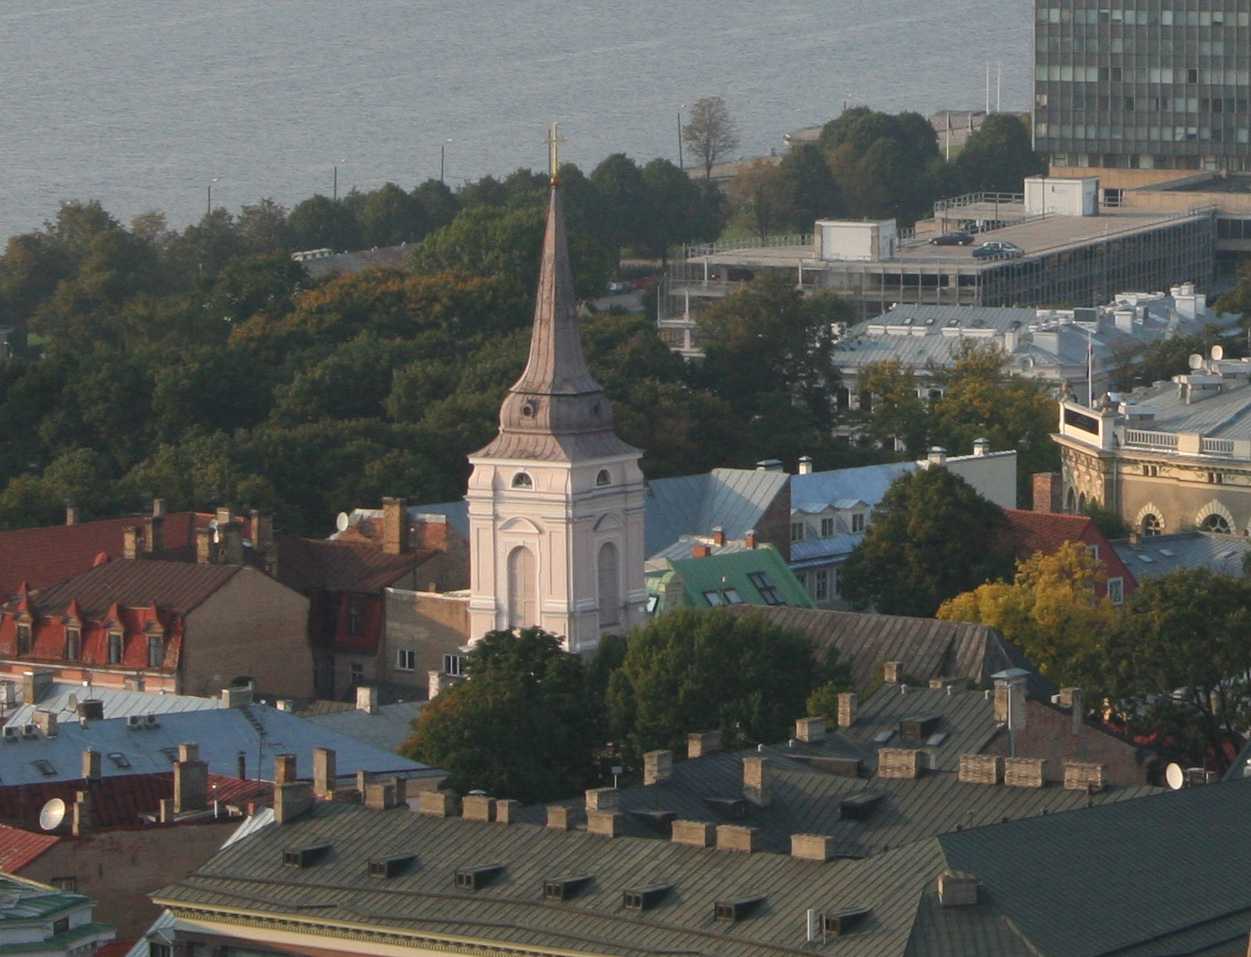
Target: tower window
(604, 478)
(523, 480)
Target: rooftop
(1157, 555)
(735, 499)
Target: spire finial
(553, 141)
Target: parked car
(956, 238)
(998, 249)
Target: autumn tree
(896, 415)
(763, 196)
(711, 133)
(1052, 611)
(933, 536)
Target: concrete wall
(251, 626)
(994, 475)
(431, 625)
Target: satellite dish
(1196, 361)
(52, 815)
(1175, 776)
(1218, 352)
(341, 521)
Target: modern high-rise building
(1142, 87)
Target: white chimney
(805, 465)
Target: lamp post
(846, 100)
(443, 157)
(335, 189)
(209, 210)
(681, 164)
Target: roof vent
(12, 732)
(733, 911)
(657, 820)
(475, 878)
(385, 867)
(859, 807)
(919, 726)
(91, 708)
(646, 897)
(29, 730)
(844, 921)
(565, 888)
(134, 721)
(734, 808)
(306, 855)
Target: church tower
(556, 499)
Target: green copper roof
(756, 576)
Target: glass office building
(1143, 84)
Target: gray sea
(145, 104)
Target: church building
(556, 499)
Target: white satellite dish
(1196, 360)
(1175, 776)
(1218, 352)
(341, 521)
(52, 814)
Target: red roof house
(1046, 532)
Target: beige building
(1168, 458)
(556, 499)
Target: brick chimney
(1010, 708)
(284, 768)
(718, 536)
(956, 889)
(71, 515)
(190, 780)
(34, 683)
(230, 539)
(204, 546)
(810, 730)
(132, 541)
(324, 777)
(700, 743)
(154, 528)
(91, 765)
(758, 781)
(45, 721)
(701, 551)
(394, 526)
(847, 702)
(1048, 492)
(261, 530)
(890, 672)
(749, 539)
(82, 814)
(657, 767)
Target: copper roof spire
(556, 410)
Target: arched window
(1151, 524)
(604, 478)
(1216, 523)
(1081, 502)
(523, 588)
(609, 586)
(523, 480)
(1070, 501)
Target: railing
(1217, 446)
(1154, 440)
(746, 242)
(976, 199)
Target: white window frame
(1116, 591)
(821, 585)
(405, 659)
(857, 522)
(827, 528)
(454, 665)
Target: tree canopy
(997, 157)
(710, 134)
(933, 536)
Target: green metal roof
(749, 576)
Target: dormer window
(857, 522)
(156, 651)
(73, 644)
(115, 647)
(604, 478)
(23, 639)
(523, 480)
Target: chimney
(71, 515)
(1075, 700)
(284, 768)
(899, 763)
(937, 456)
(561, 818)
(1023, 772)
(847, 702)
(132, 541)
(82, 814)
(805, 465)
(657, 767)
(190, 780)
(701, 551)
(758, 781)
(154, 527)
(981, 447)
(736, 837)
(890, 672)
(131, 683)
(324, 777)
(1048, 492)
(204, 546)
(367, 699)
(718, 536)
(1010, 706)
(1083, 776)
(477, 807)
(603, 799)
(34, 683)
(439, 804)
(749, 539)
(45, 721)
(230, 537)
(980, 769)
(812, 847)
(394, 526)
(261, 530)
(675, 591)
(91, 765)
(236, 696)
(693, 833)
(810, 730)
(769, 465)
(506, 810)
(1135, 536)
(700, 743)
(291, 799)
(956, 889)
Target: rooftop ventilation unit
(151, 721)
(732, 911)
(859, 806)
(919, 726)
(306, 855)
(646, 897)
(475, 878)
(565, 888)
(843, 922)
(134, 721)
(733, 808)
(12, 732)
(385, 867)
(30, 730)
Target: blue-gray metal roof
(868, 483)
(813, 552)
(1225, 415)
(388, 728)
(1158, 555)
(734, 499)
(63, 699)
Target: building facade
(556, 499)
(1144, 85)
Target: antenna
(1175, 776)
(52, 814)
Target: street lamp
(209, 209)
(846, 100)
(335, 192)
(443, 157)
(681, 165)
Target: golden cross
(553, 142)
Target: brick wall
(1049, 734)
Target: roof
(259, 732)
(731, 574)
(178, 587)
(816, 491)
(41, 556)
(1157, 555)
(1048, 532)
(305, 564)
(23, 901)
(927, 648)
(18, 847)
(734, 499)
(62, 699)
(386, 730)
(1225, 414)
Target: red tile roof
(1046, 532)
(115, 948)
(18, 848)
(42, 556)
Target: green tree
(764, 197)
(711, 132)
(1169, 357)
(1178, 662)
(998, 157)
(623, 203)
(521, 726)
(324, 223)
(673, 680)
(885, 165)
(896, 413)
(933, 536)
(263, 228)
(683, 210)
(438, 203)
(389, 216)
(815, 193)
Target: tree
(896, 413)
(885, 165)
(324, 223)
(389, 216)
(623, 203)
(997, 157)
(683, 210)
(814, 191)
(520, 727)
(1178, 662)
(1052, 611)
(711, 133)
(764, 197)
(933, 536)
(673, 680)
(1169, 357)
